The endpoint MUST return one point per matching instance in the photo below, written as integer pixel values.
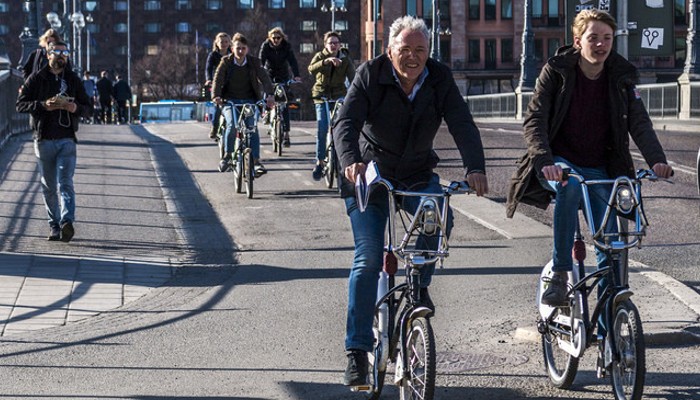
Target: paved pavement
(135, 198)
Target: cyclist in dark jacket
(391, 115)
(220, 48)
(584, 109)
(277, 58)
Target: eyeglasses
(276, 37)
(334, 43)
(64, 53)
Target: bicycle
(568, 331)
(276, 124)
(403, 333)
(330, 162)
(241, 161)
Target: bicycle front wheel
(279, 136)
(249, 174)
(330, 167)
(238, 171)
(420, 348)
(629, 371)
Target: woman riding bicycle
(220, 48)
(391, 115)
(239, 79)
(585, 107)
(277, 57)
(331, 67)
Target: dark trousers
(122, 112)
(106, 111)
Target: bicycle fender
(418, 312)
(622, 296)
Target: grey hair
(408, 23)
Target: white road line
(678, 167)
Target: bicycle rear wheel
(249, 173)
(420, 346)
(238, 171)
(330, 167)
(560, 365)
(279, 136)
(628, 373)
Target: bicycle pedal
(361, 388)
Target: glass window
(120, 5)
(151, 50)
(245, 4)
(538, 50)
(506, 9)
(214, 5)
(120, 27)
(183, 5)
(183, 27)
(411, 8)
(4, 29)
(474, 51)
(552, 46)
(679, 12)
(680, 53)
(151, 5)
(489, 9)
(340, 3)
(4, 7)
(341, 25)
(536, 8)
(275, 3)
(152, 27)
(307, 3)
(90, 6)
(213, 27)
(474, 10)
(507, 50)
(553, 8)
(93, 28)
(309, 26)
(307, 48)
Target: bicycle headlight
(624, 199)
(430, 217)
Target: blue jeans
(230, 139)
(368, 232)
(56, 160)
(322, 118)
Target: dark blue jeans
(368, 230)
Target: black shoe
(426, 300)
(555, 295)
(224, 164)
(317, 173)
(55, 234)
(67, 232)
(285, 141)
(357, 371)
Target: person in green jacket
(331, 68)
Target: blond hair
(278, 31)
(49, 34)
(217, 40)
(582, 19)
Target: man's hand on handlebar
(662, 170)
(353, 170)
(554, 173)
(478, 182)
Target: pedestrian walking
(105, 90)
(55, 97)
(38, 59)
(122, 95)
(91, 91)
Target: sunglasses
(276, 37)
(334, 43)
(64, 53)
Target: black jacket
(121, 91)
(105, 89)
(213, 60)
(378, 122)
(546, 113)
(278, 60)
(42, 85)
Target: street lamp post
(435, 32)
(691, 70)
(333, 8)
(77, 22)
(527, 61)
(30, 32)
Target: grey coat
(548, 108)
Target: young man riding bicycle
(391, 115)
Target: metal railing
(662, 100)
(11, 122)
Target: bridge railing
(11, 122)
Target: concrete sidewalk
(128, 237)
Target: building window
(120, 27)
(214, 5)
(275, 4)
(90, 6)
(506, 9)
(121, 5)
(552, 46)
(183, 27)
(538, 50)
(183, 5)
(507, 50)
(307, 3)
(679, 12)
(152, 27)
(4, 7)
(151, 5)
(307, 48)
(213, 27)
(309, 26)
(680, 52)
(411, 8)
(537, 9)
(489, 9)
(92, 28)
(4, 29)
(120, 50)
(474, 51)
(474, 10)
(151, 50)
(340, 26)
(245, 4)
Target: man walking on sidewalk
(56, 98)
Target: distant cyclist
(585, 107)
(277, 57)
(220, 48)
(391, 116)
(241, 79)
(331, 67)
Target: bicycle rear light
(624, 199)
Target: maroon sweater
(585, 132)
